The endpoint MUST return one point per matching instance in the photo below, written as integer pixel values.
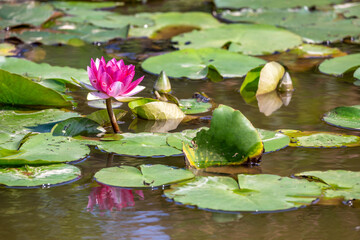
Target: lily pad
(152, 109)
(14, 90)
(320, 139)
(42, 70)
(10, 141)
(45, 149)
(32, 14)
(177, 140)
(273, 141)
(237, 4)
(195, 63)
(254, 193)
(340, 65)
(148, 176)
(196, 20)
(316, 51)
(336, 183)
(231, 140)
(357, 74)
(243, 38)
(345, 117)
(42, 176)
(77, 126)
(194, 106)
(16, 121)
(102, 116)
(140, 144)
(70, 5)
(7, 49)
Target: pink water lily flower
(112, 79)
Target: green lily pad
(176, 140)
(195, 63)
(250, 84)
(45, 37)
(102, 116)
(77, 126)
(42, 176)
(344, 117)
(70, 5)
(7, 49)
(42, 70)
(148, 176)
(273, 141)
(340, 65)
(237, 143)
(357, 74)
(14, 90)
(32, 14)
(140, 144)
(196, 20)
(338, 183)
(194, 106)
(352, 10)
(16, 121)
(152, 109)
(243, 38)
(316, 51)
(320, 139)
(10, 141)
(255, 193)
(312, 26)
(236, 4)
(45, 149)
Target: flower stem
(112, 117)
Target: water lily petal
(128, 79)
(120, 64)
(133, 85)
(93, 80)
(105, 81)
(115, 89)
(103, 62)
(136, 90)
(97, 96)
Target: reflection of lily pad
(260, 192)
(140, 144)
(243, 38)
(320, 139)
(147, 176)
(45, 148)
(340, 183)
(42, 176)
(194, 106)
(13, 84)
(340, 65)
(346, 117)
(198, 20)
(195, 63)
(273, 141)
(231, 140)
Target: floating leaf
(231, 140)
(177, 140)
(340, 183)
(14, 90)
(12, 121)
(357, 74)
(320, 139)
(194, 63)
(7, 49)
(345, 117)
(271, 3)
(140, 144)
(42, 70)
(154, 126)
(340, 65)
(32, 14)
(273, 141)
(196, 20)
(10, 141)
(148, 176)
(257, 193)
(243, 38)
(102, 116)
(27, 176)
(194, 106)
(316, 51)
(152, 109)
(45, 148)
(71, 5)
(77, 126)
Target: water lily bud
(162, 84)
(286, 84)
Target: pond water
(65, 212)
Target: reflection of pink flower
(112, 79)
(107, 198)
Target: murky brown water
(62, 213)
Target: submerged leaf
(148, 176)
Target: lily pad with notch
(148, 176)
(41, 176)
